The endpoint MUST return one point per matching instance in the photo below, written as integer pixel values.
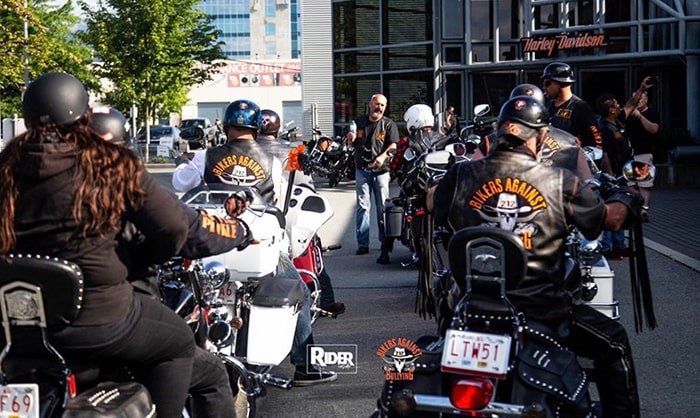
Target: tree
(151, 51)
(50, 47)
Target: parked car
(165, 135)
(198, 132)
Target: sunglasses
(547, 83)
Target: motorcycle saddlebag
(553, 378)
(272, 320)
(393, 220)
(112, 400)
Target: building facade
(466, 52)
(261, 41)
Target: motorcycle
(493, 360)
(243, 305)
(36, 380)
(330, 158)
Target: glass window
(270, 8)
(417, 56)
(482, 52)
(508, 21)
(453, 19)
(356, 61)
(546, 16)
(493, 89)
(355, 23)
(270, 29)
(452, 54)
(351, 97)
(407, 21)
(454, 91)
(405, 90)
(617, 11)
(271, 49)
(481, 20)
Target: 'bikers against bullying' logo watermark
(340, 358)
(400, 355)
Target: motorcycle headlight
(590, 251)
(218, 273)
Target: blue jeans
(368, 183)
(303, 334)
(614, 240)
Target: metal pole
(26, 47)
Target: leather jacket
(511, 190)
(241, 163)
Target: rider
(268, 138)
(419, 120)
(242, 161)
(66, 194)
(209, 385)
(540, 203)
(559, 148)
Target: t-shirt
(642, 140)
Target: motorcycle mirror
(593, 153)
(457, 149)
(409, 154)
(638, 171)
(481, 109)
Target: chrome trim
(443, 404)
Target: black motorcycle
(36, 380)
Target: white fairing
(307, 213)
(256, 260)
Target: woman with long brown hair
(66, 193)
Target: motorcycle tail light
(471, 394)
(72, 391)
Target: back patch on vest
(510, 204)
(239, 170)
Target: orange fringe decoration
(293, 158)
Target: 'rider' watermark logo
(340, 358)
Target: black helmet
(525, 110)
(527, 89)
(244, 114)
(109, 123)
(56, 98)
(560, 72)
(270, 122)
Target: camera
(653, 80)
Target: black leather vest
(561, 117)
(559, 149)
(241, 163)
(512, 191)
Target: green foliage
(151, 51)
(50, 47)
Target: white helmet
(419, 116)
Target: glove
(634, 202)
(608, 185)
(248, 236)
(238, 202)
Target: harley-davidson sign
(551, 43)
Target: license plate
(19, 401)
(227, 293)
(468, 352)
